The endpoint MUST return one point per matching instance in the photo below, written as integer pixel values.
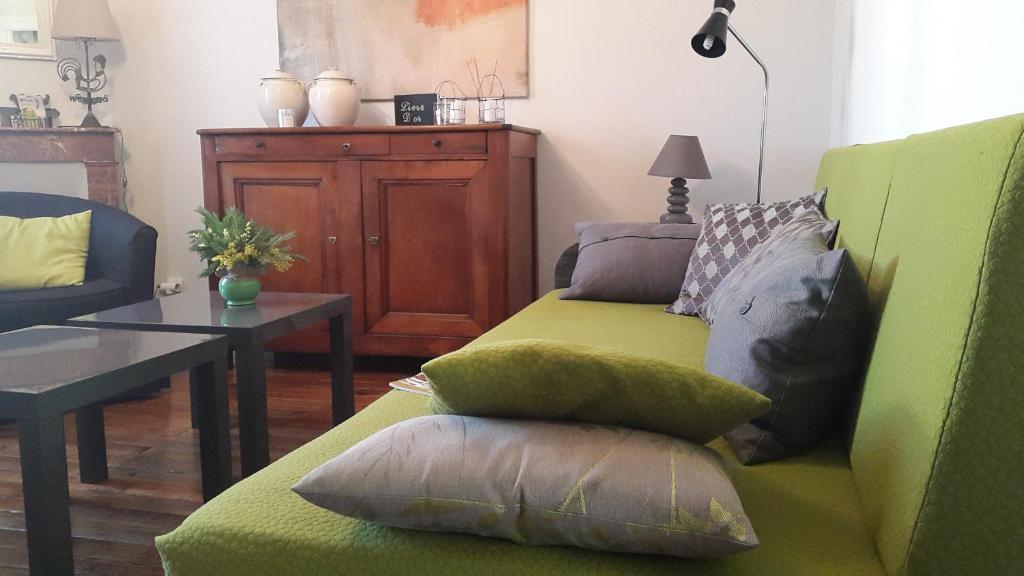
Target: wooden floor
(154, 465)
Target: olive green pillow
(555, 380)
(43, 252)
(539, 483)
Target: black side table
(47, 371)
(248, 328)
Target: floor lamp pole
(764, 107)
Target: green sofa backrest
(936, 224)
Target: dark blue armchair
(119, 270)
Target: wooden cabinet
(431, 230)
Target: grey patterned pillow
(728, 234)
(775, 252)
(539, 483)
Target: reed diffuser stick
(494, 74)
(470, 68)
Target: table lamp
(85, 21)
(709, 42)
(680, 158)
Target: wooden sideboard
(432, 230)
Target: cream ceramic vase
(334, 99)
(282, 91)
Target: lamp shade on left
(681, 157)
(84, 19)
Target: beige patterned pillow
(539, 483)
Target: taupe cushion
(540, 483)
(631, 261)
(793, 326)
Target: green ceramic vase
(239, 289)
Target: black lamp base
(90, 121)
(677, 204)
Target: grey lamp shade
(681, 157)
(80, 19)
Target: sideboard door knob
(374, 240)
(346, 146)
(261, 144)
(332, 239)
(437, 143)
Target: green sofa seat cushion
(555, 380)
(804, 510)
(642, 329)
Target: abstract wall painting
(406, 46)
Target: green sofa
(932, 481)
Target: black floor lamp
(710, 43)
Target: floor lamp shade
(709, 42)
(681, 157)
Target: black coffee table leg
(342, 390)
(92, 445)
(44, 474)
(211, 384)
(193, 398)
(251, 374)
(193, 395)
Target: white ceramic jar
(282, 91)
(334, 99)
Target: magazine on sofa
(417, 384)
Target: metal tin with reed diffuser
(450, 109)
(491, 107)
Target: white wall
(611, 79)
(920, 65)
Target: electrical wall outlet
(172, 285)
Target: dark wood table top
(56, 368)
(201, 311)
(36, 360)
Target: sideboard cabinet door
(428, 227)
(297, 196)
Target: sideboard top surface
(367, 129)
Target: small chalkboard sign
(415, 109)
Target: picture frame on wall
(406, 46)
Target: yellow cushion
(43, 252)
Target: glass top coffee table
(47, 371)
(247, 329)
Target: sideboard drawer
(439, 143)
(305, 145)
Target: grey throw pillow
(631, 262)
(795, 330)
(539, 483)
